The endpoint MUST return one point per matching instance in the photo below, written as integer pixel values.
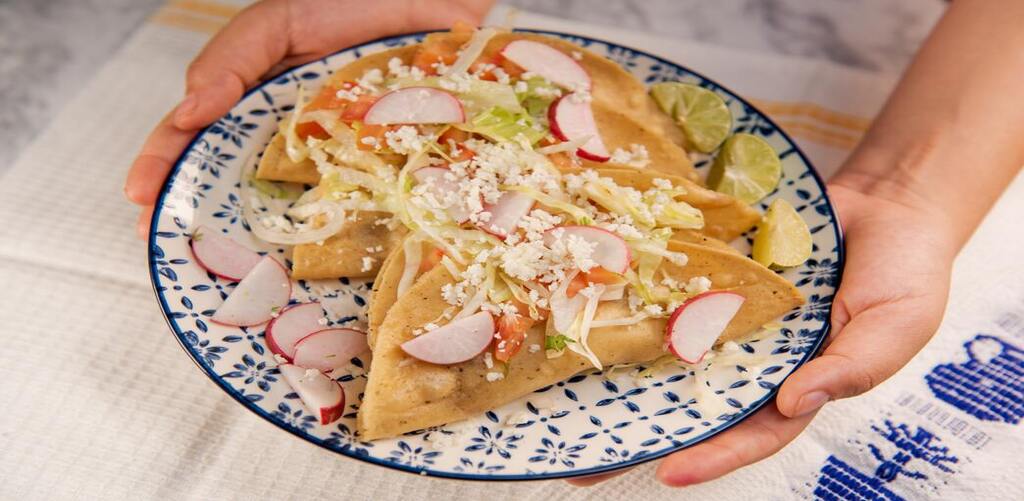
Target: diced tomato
(464, 154)
(497, 61)
(431, 259)
(356, 110)
(445, 51)
(596, 275)
(512, 329)
(561, 160)
(374, 131)
(307, 129)
(456, 135)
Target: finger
(142, 225)
(760, 436)
(595, 479)
(157, 156)
(874, 345)
(234, 59)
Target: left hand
(890, 302)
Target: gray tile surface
(49, 48)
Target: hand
(892, 297)
(263, 40)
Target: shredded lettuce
(503, 125)
(681, 215)
(558, 342)
(581, 327)
(412, 248)
(472, 50)
(615, 199)
(549, 201)
(538, 97)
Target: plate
(590, 423)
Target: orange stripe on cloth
(821, 135)
(214, 9)
(813, 111)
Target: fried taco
(405, 394)
(527, 213)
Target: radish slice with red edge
(572, 119)
(696, 324)
(415, 105)
(548, 62)
(294, 323)
(221, 255)
(506, 213)
(260, 295)
(329, 349)
(454, 342)
(323, 396)
(611, 252)
(440, 187)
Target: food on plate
(783, 239)
(405, 393)
(746, 168)
(701, 114)
(527, 212)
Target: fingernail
(811, 402)
(187, 106)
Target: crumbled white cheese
(534, 348)
(697, 285)
(367, 264)
(488, 360)
(521, 87)
(636, 156)
(494, 376)
(406, 140)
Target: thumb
(875, 344)
(234, 59)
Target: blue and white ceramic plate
(588, 424)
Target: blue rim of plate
(424, 471)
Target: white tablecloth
(101, 403)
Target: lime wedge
(782, 239)
(746, 167)
(703, 116)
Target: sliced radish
(261, 294)
(455, 342)
(547, 62)
(611, 252)
(506, 213)
(572, 120)
(441, 188)
(329, 349)
(695, 325)
(320, 394)
(416, 105)
(293, 324)
(221, 255)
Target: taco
(527, 214)
(404, 394)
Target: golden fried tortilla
(343, 254)
(404, 394)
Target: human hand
(891, 301)
(263, 40)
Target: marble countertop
(50, 49)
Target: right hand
(263, 40)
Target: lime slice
(782, 239)
(703, 116)
(747, 168)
